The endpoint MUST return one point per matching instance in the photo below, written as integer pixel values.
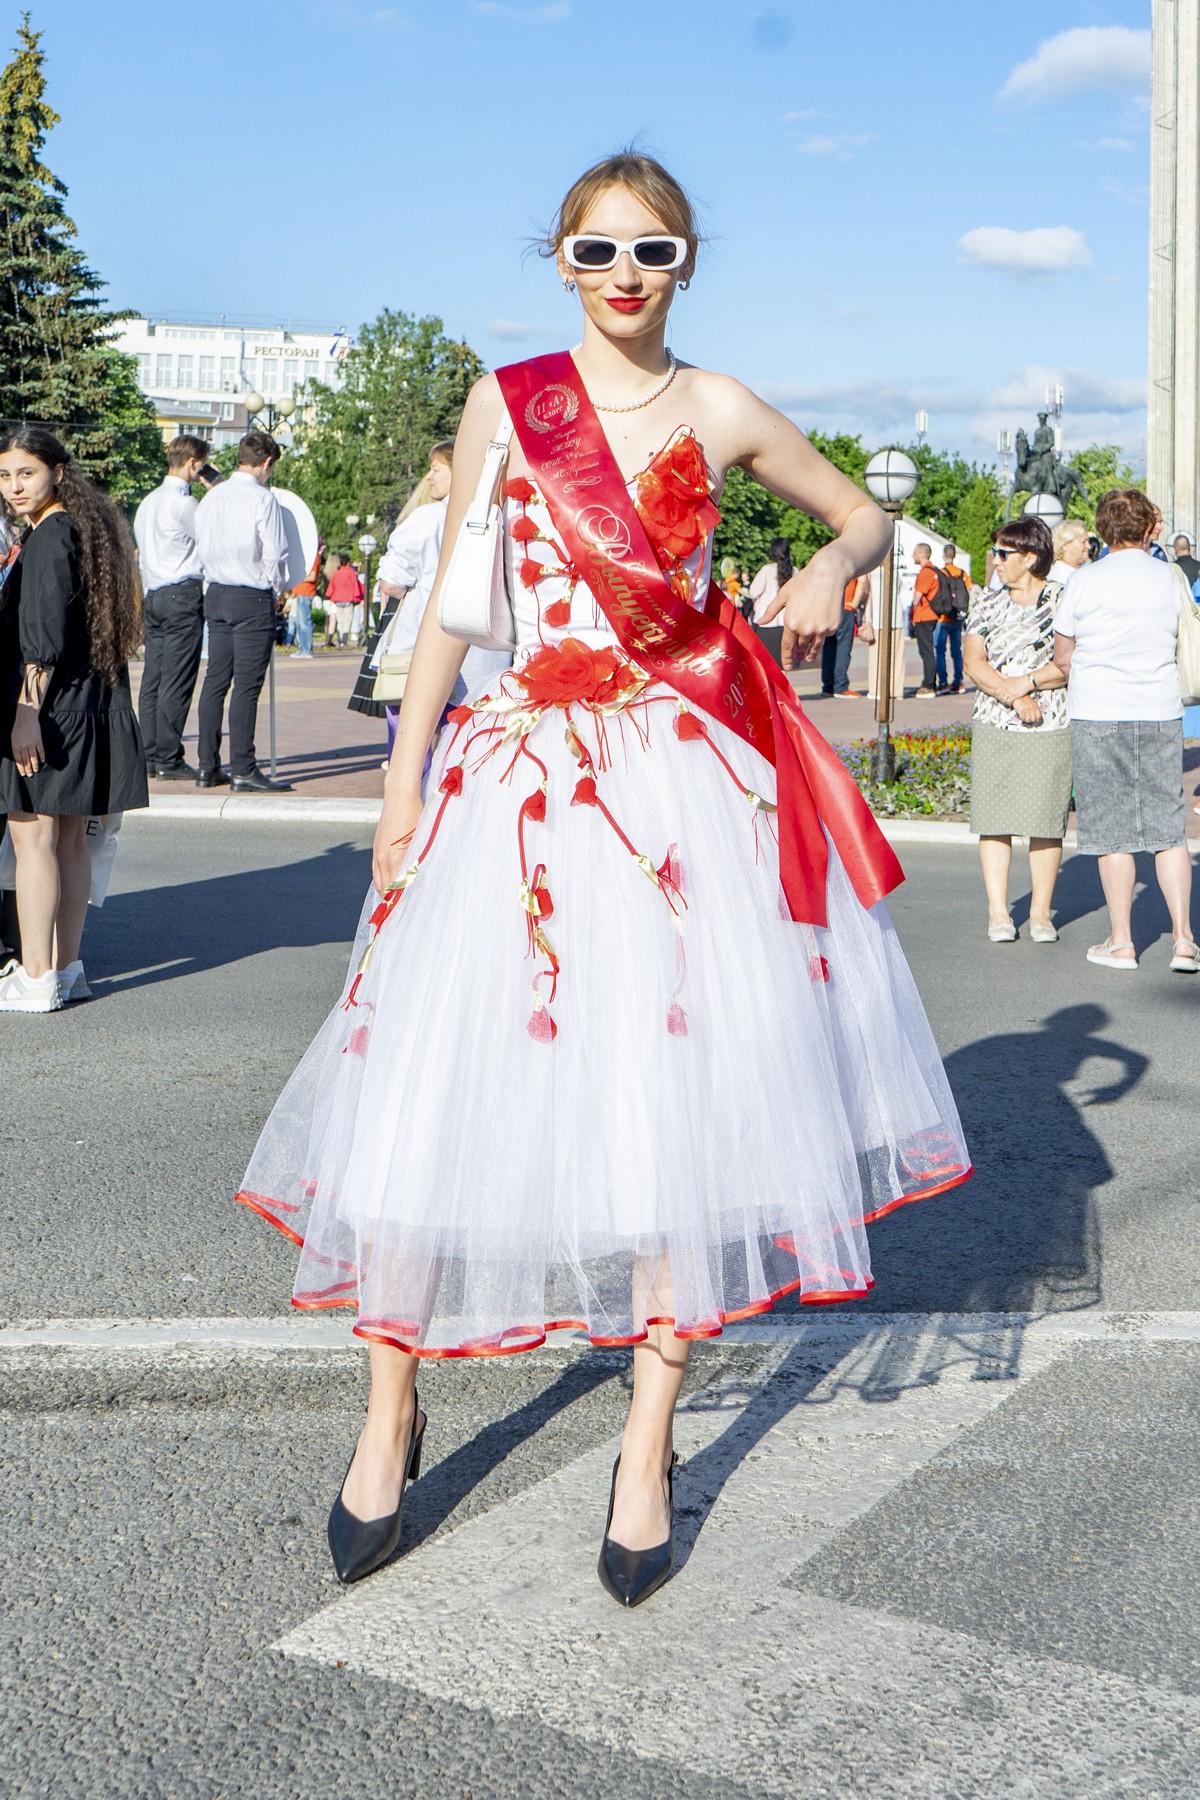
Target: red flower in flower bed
(561, 674)
(674, 502)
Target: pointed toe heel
(360, 1546)
(631, 1576)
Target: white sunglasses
(598, 253)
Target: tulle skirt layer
(591, 1073)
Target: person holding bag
(70, 618)
(1125, 635)
(640, 877)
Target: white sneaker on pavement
(72, 983)
(19, 992)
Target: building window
(228, 373)
(162, 371)
(144, 366)
(227, 409)
(249, 371)
(270, 375)
(183, 373)
(208, 372)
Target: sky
(939, 206)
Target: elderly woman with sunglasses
(1020, 742)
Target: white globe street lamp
(891, 478)
(1047, 507)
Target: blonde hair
(1066, 532)
(654, 186)
(443, 450)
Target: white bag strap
(494, 460)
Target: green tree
(365, 444)
(58, 365)
(975, 519)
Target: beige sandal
(1185, 959)
(1104, 954)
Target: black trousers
(924, 634)
(174, 622)
(835, 656)
(241, 636)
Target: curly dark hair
(112, 591)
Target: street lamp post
(270, 410)
(891, 477)
(368, 545)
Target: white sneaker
(19, 992)
(72, 983)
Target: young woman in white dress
(566, 1094)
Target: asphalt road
(942, 1544)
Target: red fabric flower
(818, 969)
(531, 572)
(452, 781)
(674, 502)
(585, 792)
(519, 489)
(688, 726)
(558, 613)
(539, 894)
(524, 530)
(677, 1023)
(535, 807)
(357, 1042)
(460, 715)
(562, 673)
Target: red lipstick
(630, 305)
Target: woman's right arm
(438, 657)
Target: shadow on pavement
(1078, 894)
(159, 934)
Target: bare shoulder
(738, 423)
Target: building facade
(1173, 424)
(196, 372)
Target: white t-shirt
(1123, 613)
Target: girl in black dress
(70, 617)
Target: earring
(568, 286)
(683, 286)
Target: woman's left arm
(778, 454)
(1064, 650)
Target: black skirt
(94, 761)
(362, 699)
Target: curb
(258, 809)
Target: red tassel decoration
(688, 726)
(585, 792)
(677, 1023)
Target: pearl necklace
(637, 405)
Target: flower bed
(933, 773)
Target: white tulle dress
(585, 1071)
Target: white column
(1173, 412)
(1160, 411)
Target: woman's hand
(812, 603)
(1028, 710)
(28, 751)
(393, 836)
(866, 633)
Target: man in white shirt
(243, 546)
(172, 608)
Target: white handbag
(473, 602)
(1187, 644)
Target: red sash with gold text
(711, 658)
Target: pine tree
(58, 365)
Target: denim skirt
(1128, 784)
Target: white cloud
(1091, 59)
(1046, 250)
(1100, 408)
(1112, 143)
(806, 112)
(523, 15)
(512, 329)
(841, 146)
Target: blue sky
(939, 206)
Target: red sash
(711, 658)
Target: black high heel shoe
(631, 1576)
(360, 1546)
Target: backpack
(944, 602)
(959, 590)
